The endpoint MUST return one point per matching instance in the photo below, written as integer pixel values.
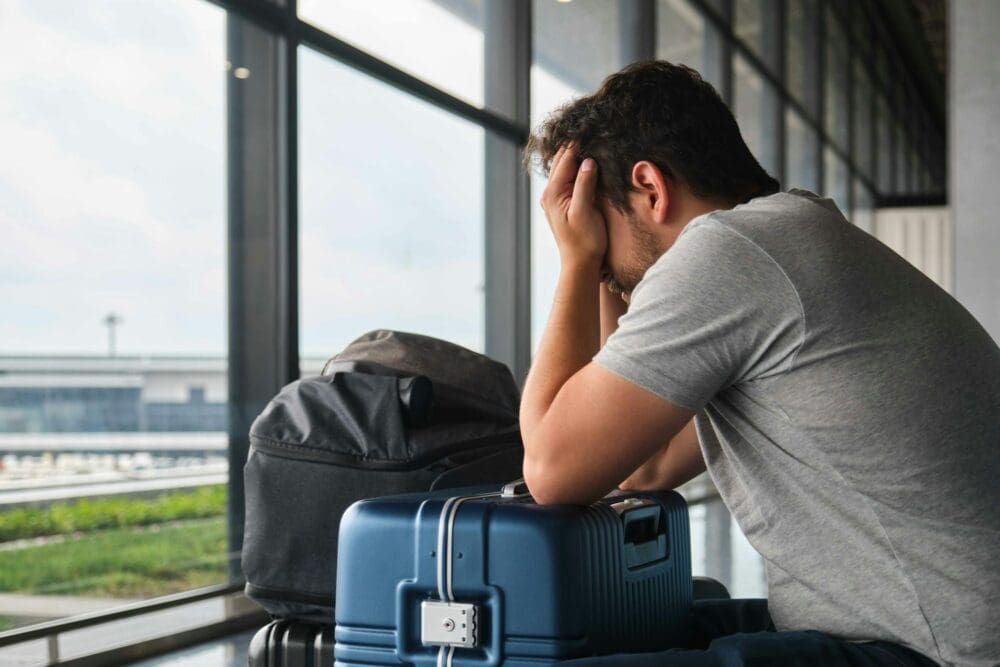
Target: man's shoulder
(774, 213)
(750, 229)
(784, 228)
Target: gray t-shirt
(849, 413)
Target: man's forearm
(570, 340)
(680, 461)
(612, 307)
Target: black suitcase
(287, 643)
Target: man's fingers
(554, 165)
(551, 187)
(556, 158)
(585, 185)
(565, 170)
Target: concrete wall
(974, 160)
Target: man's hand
(678, 462)
(568, 200)
(585, 429)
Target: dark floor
(229, 651)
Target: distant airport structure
(93, 394)
(120, 394)
(85, 426)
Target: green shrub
(90, 515)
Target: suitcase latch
(449, 624)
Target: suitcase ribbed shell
(551, 583)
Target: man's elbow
(541, 484)
(549, 484)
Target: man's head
(668, 149)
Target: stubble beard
(645, 251)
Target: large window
(837, 183)
(862, 120)
(391, 209)
(799, 49)
(747, 23)
(863, 214)
(680, 33)
(884, 154)
(801, 153)
(441, 42)
(560, 72)
(835, 81)
(748, 95)
(113, 395)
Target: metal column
(507, 210)
(262, 294)
(636, 31)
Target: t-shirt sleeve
(713, 311)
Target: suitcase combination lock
(449, 624)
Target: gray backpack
(393, 413)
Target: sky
(112, 181)
(112, 178)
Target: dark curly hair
(660, 112)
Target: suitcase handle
(519, 489)
(645, 532)
(515, 489)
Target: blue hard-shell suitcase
(484, 577)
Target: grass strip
(125, 562)
(104, 513)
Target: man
(848, 410)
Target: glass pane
(559, 63)
(864, 38)
(746, 23)
(747, 94)
(680, 33)
(802, 155)
(882, 66)
(884, 157)
(112, 202)
(837, 185)
(912, 171)
(835, 82)
(799, 41)
(440, 42)
(391, 215)
(560, 72)
(721, 551)
(864, 214)
(899, 160)
(862, 153)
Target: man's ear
(652, 190)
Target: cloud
(96, 211)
